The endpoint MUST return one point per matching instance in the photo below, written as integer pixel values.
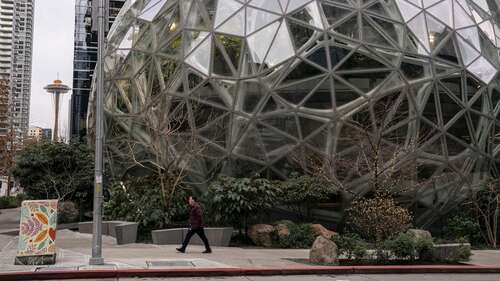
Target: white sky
(52, 54)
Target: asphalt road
(9, 218)
(379, 277)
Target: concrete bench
(217, 236)
(125, 232)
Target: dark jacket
(196, 216)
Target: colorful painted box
(37, 232)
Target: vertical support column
(97, 258)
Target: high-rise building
(85, 58)
(40, 134)
(16, 36)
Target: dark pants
(201, 232)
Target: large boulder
(282, 230)
(323, 251)
(319, 230)
(261, 234)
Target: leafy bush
(402, 246)
(7, 202)
(351, 246)
(303, 192)
(378, 218)
(461, 226)
(56, 171)
(67, 212)
(140, 199)
(301, 237)
(236, 201)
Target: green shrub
(378, 218)
(460, 226)
(423, 248)
(302, 193)
(351, 246)
(20, 197)
(8, 202)
(67, 212)
(237, 201)
(301, 237)
(402, 246)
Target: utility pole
(97, 258)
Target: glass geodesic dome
(256, 81)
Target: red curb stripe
(204, 272)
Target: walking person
(196, 226)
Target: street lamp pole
(97, 258)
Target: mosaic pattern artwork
(260, 80)
(37, 231)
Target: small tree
(56, 171)
(378, 218)
(236, 201)
(302, 193)
(485, 204)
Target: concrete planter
(124, 232)
(217, 236)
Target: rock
(282, 230)
(323, 251)
(420, 234)
(319, 230)
(261, 234)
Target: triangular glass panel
(337, 55)
(152, 9)
(460, 130)
(319, 57)
(349, 28)
(378, 9)
(250, 95)
(302, 71)
(390, 29)
(418, 26)
(195, 18)
(469, 54)
(282, 48)
(268, 5)
(199, 59)
(309, 125)
(295, 4)
(344, 94)
(334, 14)
(310, 15)
(194, 80)
(300, 34)
(286, 123)
(471, 35)
(448, 51)
(371, 35)
(360, 61)
(365, 81)
(320, 97)
(413, 45)
(220, 65)
(172, 48)
(296, 92)
(233, 46)
(443, 11)
(437, 31)
(260, 41)
(192, 39)
(414, 70)
(235, 25)
(225, 9)
(208, 94)
(417, 3)
(256, 19)
(407, 10)
(461, 18)
(483, 70)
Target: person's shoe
(209, 251)
(181, 250)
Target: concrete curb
(212, 272)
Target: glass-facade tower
(85, 57)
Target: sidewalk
(74, 250)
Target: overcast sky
(52, 54)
